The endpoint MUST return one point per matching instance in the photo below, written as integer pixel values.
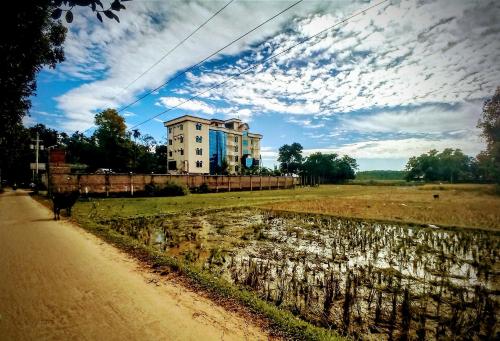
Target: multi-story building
(198, 145)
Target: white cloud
(428, 120)
(409, 54)
(110, 55)
(268, 154)
(194, 105)
(305, 123)
(29, 121)
(402, 148)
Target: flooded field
(365, 279)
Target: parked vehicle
(104, 171)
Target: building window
(199, 164)
(170, 153)
(182, 139)
(198, 126)
(199, 151)
(170, 130)
(181, 127)
(170, 142)
(236, 158)
(199, 139)
(182, 151)
(236, 139)
(236, 149)
(237, 168)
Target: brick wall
(126, 184)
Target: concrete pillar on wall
(216, 183)
(229, 183)
(251, 184)
(106, 184)
(241, 187)
(261, 182)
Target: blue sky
(397, 81)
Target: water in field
(368, 280)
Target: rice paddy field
(371, 262)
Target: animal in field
(64, 200)
(436, 196)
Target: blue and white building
(201, 146)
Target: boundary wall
(135, 184)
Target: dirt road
(60, 282)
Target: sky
(393, 82)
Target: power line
(175, 47)
(210, 56)
(263, 62)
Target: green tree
(114, 146)
(31, 40)
(290, 158)
(449, 165)
(161, 152)
(424, 167)
(319, 168)
(489, 160)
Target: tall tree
(328, 168)
(30, 41)
(113, 141)
(489, 160)
(449, 165)
(290, 158)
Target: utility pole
(37, 147)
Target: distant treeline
(381, 175)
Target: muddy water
(369, 280)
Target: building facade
(201, 146)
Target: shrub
(172, 189)
(151, 189)
(203, 188)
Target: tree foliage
(110, 146)
(316, 168)
(290, 158)
(449, 165)
(96, 6)
(321, 168)
(32, 40)
(489, 160)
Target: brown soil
(59, 282)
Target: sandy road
(60, 282)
